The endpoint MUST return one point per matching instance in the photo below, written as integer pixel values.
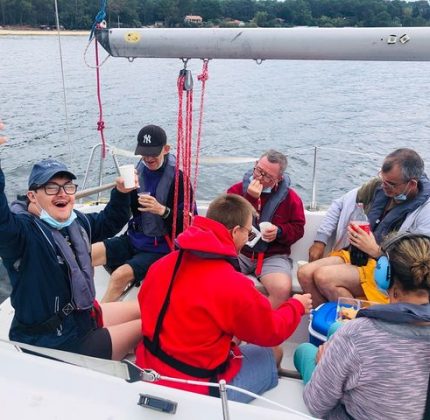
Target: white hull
(38, 388)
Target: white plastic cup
(143, 193)
(127, 172)
(264, 226)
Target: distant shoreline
(40, 32)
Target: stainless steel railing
(112, 151)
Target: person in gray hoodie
(378, 365)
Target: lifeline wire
(233, 388)
(115, 368)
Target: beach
(6, 31)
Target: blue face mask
(264, 190)
(47, 218)
(401, 197)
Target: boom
(301, 43)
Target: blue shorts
(119, 251)
(258, 373)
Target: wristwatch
(166, 213)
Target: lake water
(357, 112)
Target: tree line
(79, 14)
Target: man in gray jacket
(397, 200)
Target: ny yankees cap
(150, 141)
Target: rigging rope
(57, 21)
(180, 86)
(100, 122)
(185, 143)
(203, 77)
(187, 156)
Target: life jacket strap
(183, 367)
(50, 325)
(259, 266)
(155, 349)
(169, 242)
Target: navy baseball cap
(46, 169)
(150, 141)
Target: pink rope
(179, 153)
(203, 77)
(185, 147)
(100, 122)
(187, 157)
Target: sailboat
(44, 388)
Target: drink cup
(127, 172)
(347, 308)
(143, 193)
(264, 226)
(363, 225)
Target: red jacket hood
(207, 236)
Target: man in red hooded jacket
(195, 300)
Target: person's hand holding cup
(149, 204)
(128, 177)
(142, 198)
(268, 231)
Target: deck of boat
(289, 391)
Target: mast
(300, 43)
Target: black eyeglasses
(251, 234)
(389, 184)
(52, 188)
(264, 175)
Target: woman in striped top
(377, 366)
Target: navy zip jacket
(40, 284)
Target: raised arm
(11, 242)
(113, 218)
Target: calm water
(356, 111)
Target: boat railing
(115, 152)
(313, 206)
